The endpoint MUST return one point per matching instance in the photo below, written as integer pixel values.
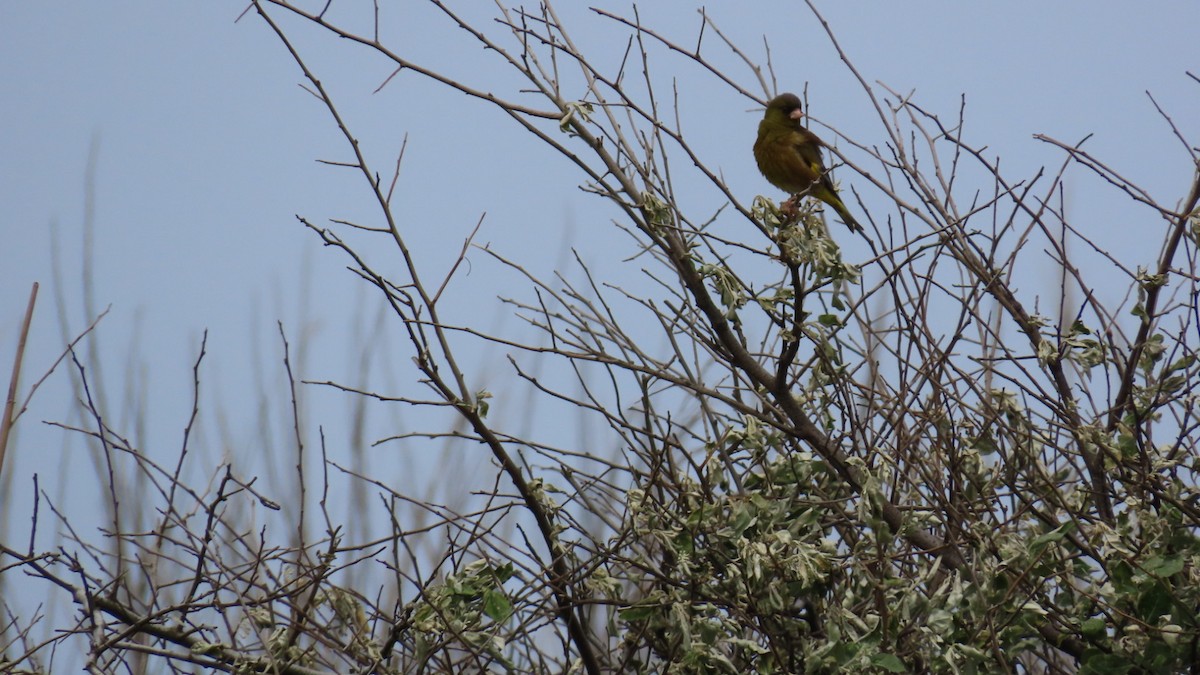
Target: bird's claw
(790, 208)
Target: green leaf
(481, 402)
(1054, 535)
(496, 605)
(1163, 566)
(1093, 628)
(940, 621)
(1172, 384)
(504, 572)
(1182, 364)
(1098, 663)
(985, 444)
(637, 613)
(889, 662)
(1153, 603)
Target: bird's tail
(831, 198)
(845, 214)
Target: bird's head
(784, 108)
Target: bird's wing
(794, 161)
(808, 146)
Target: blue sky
(204, 151)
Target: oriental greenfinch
(789, 156)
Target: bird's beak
(796, 114)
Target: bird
(789, 156)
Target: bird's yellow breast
(780, 163)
